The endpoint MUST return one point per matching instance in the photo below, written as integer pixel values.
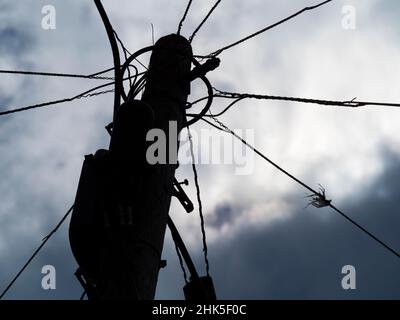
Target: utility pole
(166, 92)
(131, 198)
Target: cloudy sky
(263, 244)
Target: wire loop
(209, 100)
(128, 62)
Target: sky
(264, 243)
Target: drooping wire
(184, 17)
(204, 20)
(182, 249)
(196, 180)
(215, 115)
(131, 83)
(219, 51)
(141, 87)
(227, 108)
(86, 94)
(223, 127)
(64, 75)
(137, 87)
(44, 240)
(115, 52)
(365, 231)
(226, 129)
(181, 263)
(126, 52)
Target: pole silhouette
(121, 209)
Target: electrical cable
(115, 52)
(184, 17)
(204, 20)
(196, 180)
(54, 74)
(219, 51)
(85, 94)
(224, 128)
(44, 241)
(178, 253)
(348, 103)
(126, 52)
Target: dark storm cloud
(302, 257)
(223, 214)
(13, 40)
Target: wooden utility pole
(141, 190)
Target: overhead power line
(101, 72)
(224, 128)
(348, 103)
(196, 181)
(86, 94)
(184, 17)
(44, 241)
(204, 20)
(219, 51)
(126, 52)
(237, 97)
(64, 75)
(365, 231)
(178, 253)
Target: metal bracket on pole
(180, 194)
